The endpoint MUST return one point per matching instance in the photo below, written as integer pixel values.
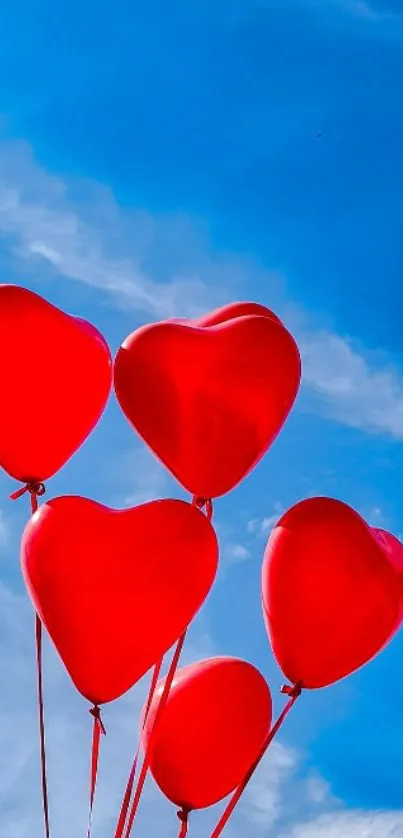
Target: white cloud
(264, 801)
(357, 824)
(40, 216)
(143, 478)
(318, 789)
(267, 524)
(349, 388)
(263, 526)
(238, 553)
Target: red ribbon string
(41, 715)
(130, 782)
(98, 729)
(183, 816)
(159, 712)
(36, 490)
(293, 693)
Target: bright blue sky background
(161, 158)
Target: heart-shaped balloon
(55, 376)
(332, 591)
(116, 588)
(217, 716)
(209, 396)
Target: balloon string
(130, 782)
(98, 729)
(41, 716)
(160, 709)
(293, 693)
(183, 816)
(36, 490)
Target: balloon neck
(204, 504)
(96, 713)
(292, 690)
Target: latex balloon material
(115, 589)
(217, 716)
(331, 590)
(55, 376)
(209, 396)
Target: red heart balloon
(331, 590)
(217, 716)
(209, 396)
(116, 588)
(56, 376)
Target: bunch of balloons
(116, 589)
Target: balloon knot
(96, 713)
(183, 815)
(292, 691)
(34, 487)
(204, 503)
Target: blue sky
(160, 159)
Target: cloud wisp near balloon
(224, 385)
(332, 591)
(56, 376)
(116, 588)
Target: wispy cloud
(40, 218)
(263, 526)
(350, 388)
(237, 553)
(142, 478)
(265, 800)
(318, 789)
(359, 824)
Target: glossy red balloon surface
(55, 379)
(216, 719)
(115, 589)
(209, 396)
(332, 591)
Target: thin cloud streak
(346, 824)
(40, 221)
(347, 387)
